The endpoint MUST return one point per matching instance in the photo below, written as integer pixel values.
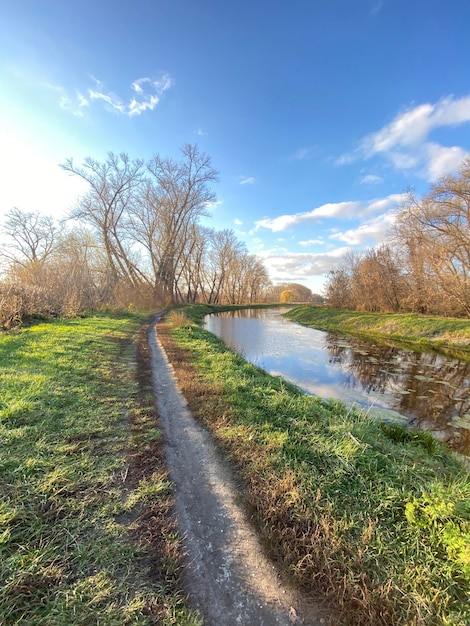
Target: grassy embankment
(86, 535)
(372, 517)
(449, 334)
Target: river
(423, 389)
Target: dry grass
(178, 319)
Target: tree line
(135, 239)
(293, 293)
(424, 264)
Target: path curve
(226, 574)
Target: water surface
(424, 389)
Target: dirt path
(227, 576)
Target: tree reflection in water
(425, 389)
(428, 388)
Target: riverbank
(372, 517)
(87, 531)
(447, 334)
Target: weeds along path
(227, 576)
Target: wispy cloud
(248, 181)
(237, 222)
(371, 179)
(101, 93)
(376, 6)
(337, 210)
(405, 140)
(74, 104)
(214, 204)
(200, 133)
(145, 95)
(257, 243)
(302, 154)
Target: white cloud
(147, 93)
(82, 101)
(441, 160)
(214, 205)
(329, 210)
(109, 97)
(311, 242)
(370, 233)
(406, 129)
(347, 158)
(338, 210)
(248, 181)
(136, 107)
(378, 205)
(406, 161)
(137, 85)
(238, 222)
(404, 141)
(371, 179)
(73, 104)
(283, 266)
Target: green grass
(450, 334)
(75, 491)
(371, 517)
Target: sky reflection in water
(423, 388)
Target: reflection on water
(423, 388)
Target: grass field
(371, 517)
(86, 534)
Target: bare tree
(238, 285)
(376, 280)
(31, 237)
(190, 279)
(435, 230)
(224, 249)
(145, 244)
(339, 288)
(180, 195)
(82, 272)
(113, 184)
(424, 266)
(257, 280)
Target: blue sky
(317, 114)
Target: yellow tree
(287, 296)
